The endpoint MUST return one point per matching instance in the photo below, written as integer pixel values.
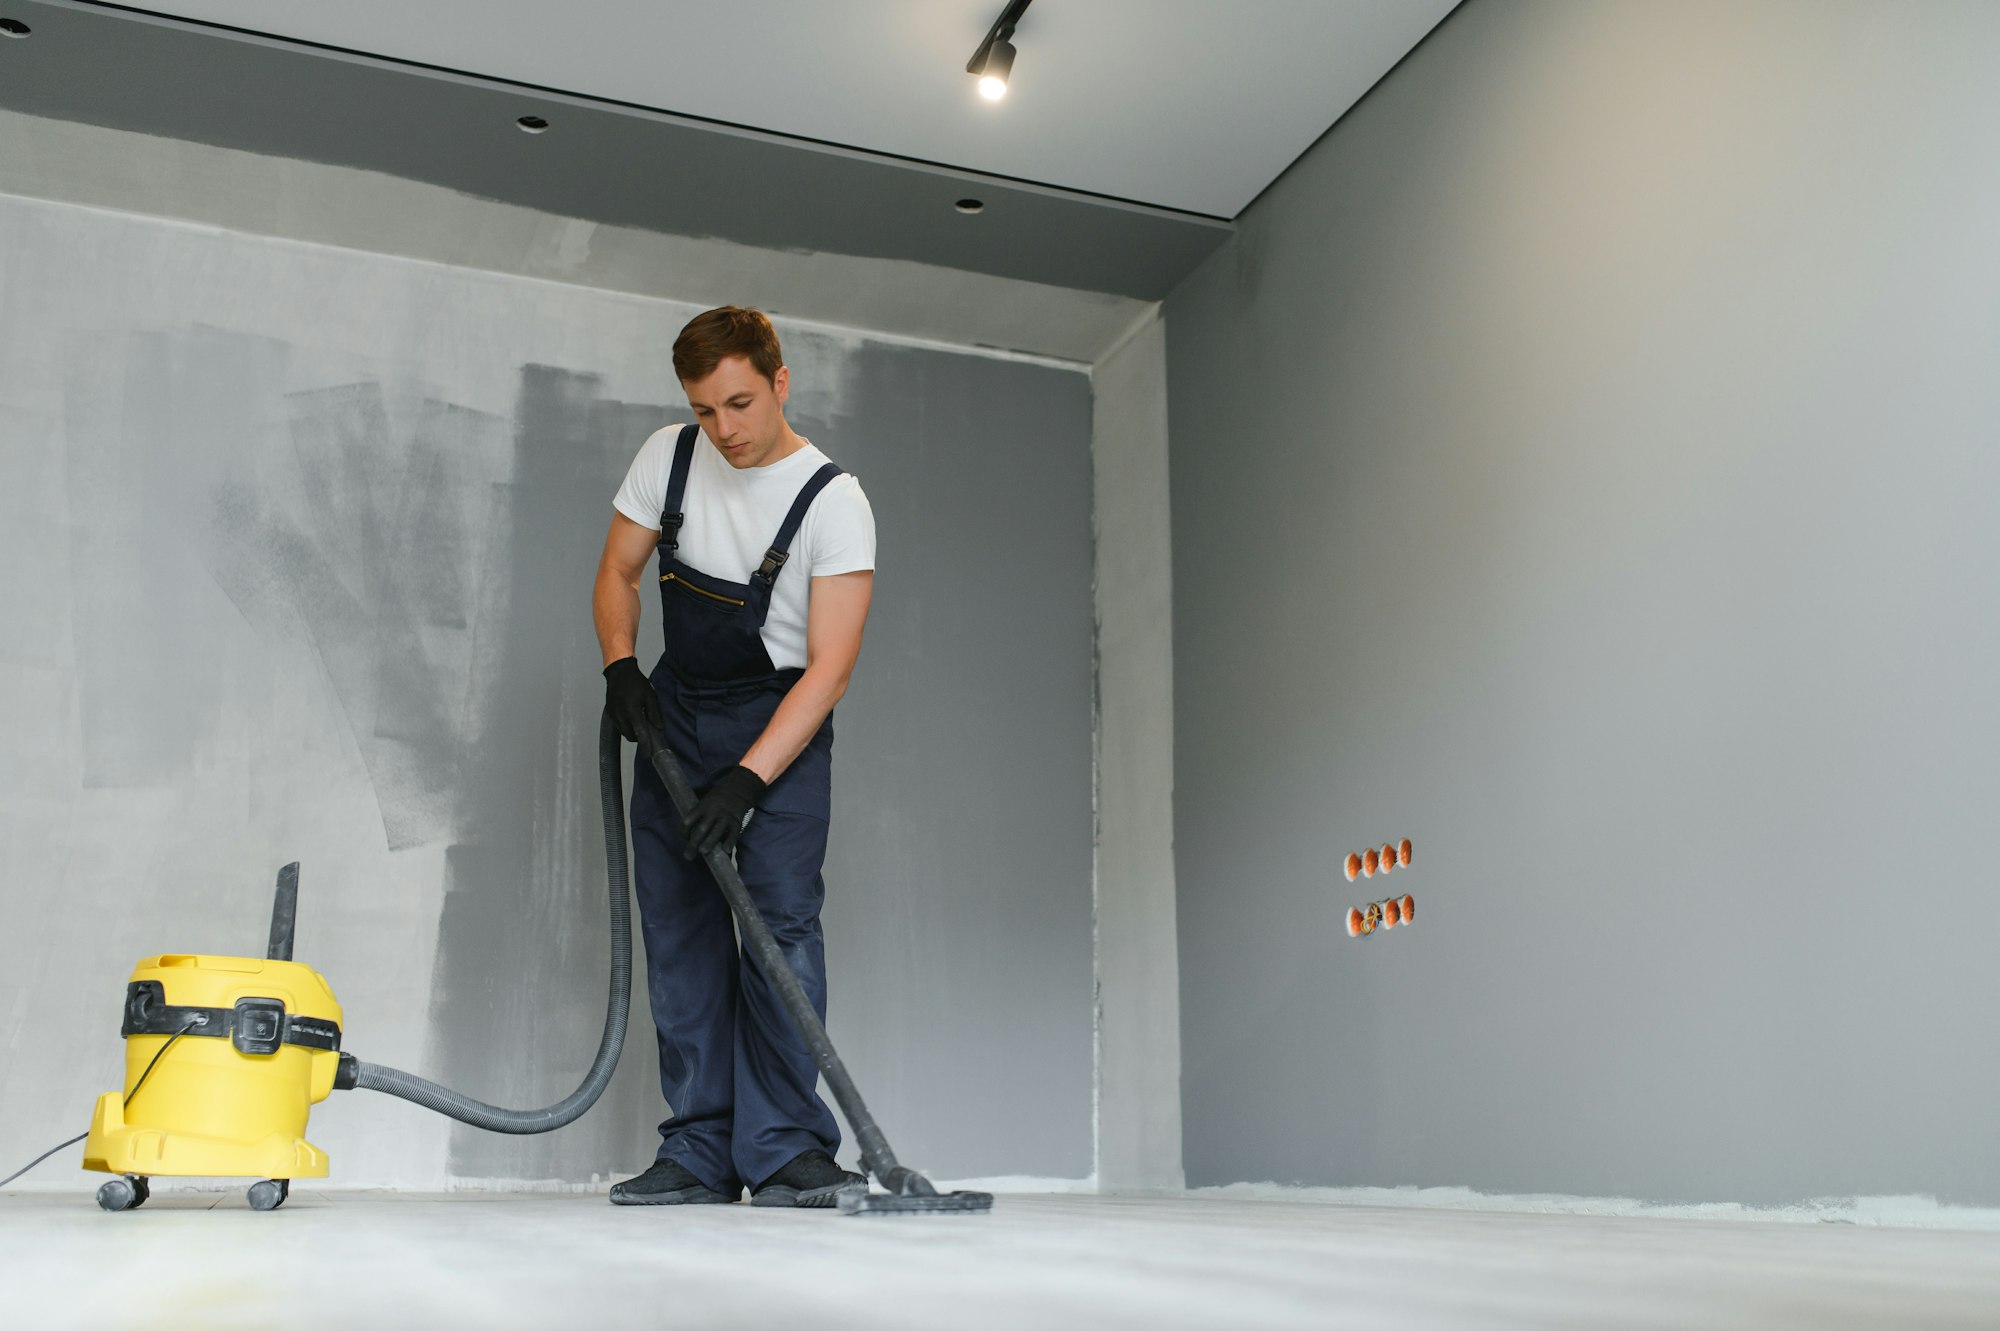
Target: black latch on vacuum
(143, 999)
(259, 1027)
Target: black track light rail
(1001, 31)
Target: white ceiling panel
(1187, 104)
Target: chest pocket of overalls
(695, 584)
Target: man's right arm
(628, 696)
(615, 603)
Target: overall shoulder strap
(780, 551)
(671, 516)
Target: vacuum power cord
(38, 1159)
(155, 1062)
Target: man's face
(741, 412)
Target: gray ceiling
(1194, 105)
(862, 81)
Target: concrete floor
(380, 1262)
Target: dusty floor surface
(381, 1262)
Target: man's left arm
(835, 613)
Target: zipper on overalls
(700, 591)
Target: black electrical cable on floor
(128, 1100)
(38, 1159)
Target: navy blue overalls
(739, 1081)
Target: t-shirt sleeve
(643, 496)
(842, 539)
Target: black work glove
(629, 697)
(717, 817)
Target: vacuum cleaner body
(258, 1045)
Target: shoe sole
(683, 1197)
(813, 1198)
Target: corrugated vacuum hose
(617, 1006)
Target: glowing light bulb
(993, 73)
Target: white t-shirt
(732, 516)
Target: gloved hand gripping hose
(617, 1008)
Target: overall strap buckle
(775, 557)
(671, 515)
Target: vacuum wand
(908, 1190)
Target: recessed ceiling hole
(970, 205)
(13, 27)
(532, 124)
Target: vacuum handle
(284, 913)
(875, 1152)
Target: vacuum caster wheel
(124, 1193)
(269, 1194)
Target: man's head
(735, 378)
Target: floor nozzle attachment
(931, 1203)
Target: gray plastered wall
(301, 541)
(1583, 463)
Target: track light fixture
(994, 60)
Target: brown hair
(731, 330)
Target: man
(766, 558)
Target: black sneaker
(810, 1178)
(667, 1183)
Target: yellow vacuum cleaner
(263, 1047)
